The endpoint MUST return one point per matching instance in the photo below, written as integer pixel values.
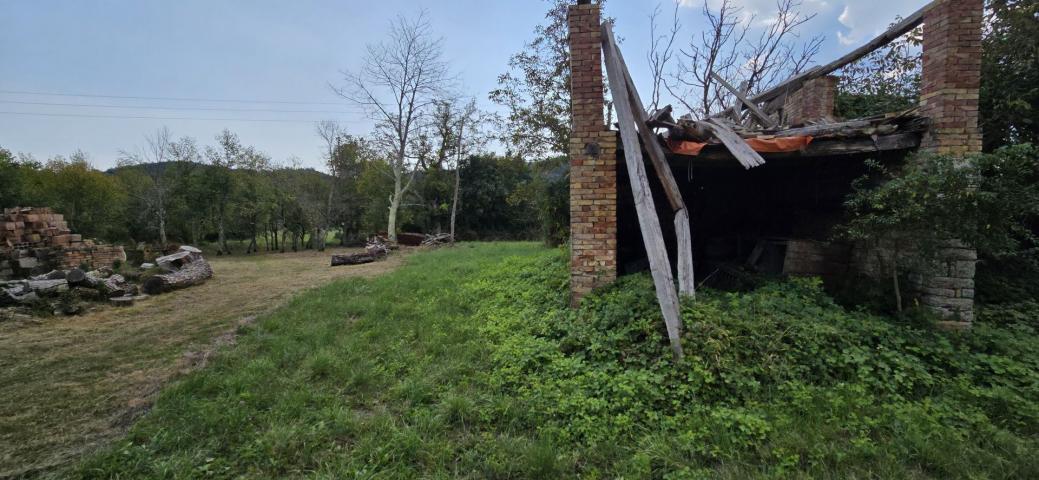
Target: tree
(1009, 73)
(536, 89)
(333, 135)
(10, 180)
(398, 85)
(986, 201)
(152, 160)
(886, 80)
(734, 49)
(220, 182)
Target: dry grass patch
(71, 384)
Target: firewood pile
(377, 248)
(437, 240)
(70, 291)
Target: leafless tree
(398, 84)
(333, 134)
(756, 53)
(661, 51)
(468, 124)
(158, 150)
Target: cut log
(193, 273)
(174, 261)
(355, 259)
(48, 287)
(115, 286)
(76, 277)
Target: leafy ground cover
(466, 362)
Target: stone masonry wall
(36, 240)
(593, 161)
(814, 101)
(951, 79)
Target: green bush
(776, 380)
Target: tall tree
(1010, 73)
(220, 182)
(398, 85)
(333, 135)
(536, 89)
(152, 160)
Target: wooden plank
(739, 148)
(657, 156)
(766, 121)
(686, 280)
(660, 266)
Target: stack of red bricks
(37, 239)
(593, 161)
(35, 227)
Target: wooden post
(659, 264)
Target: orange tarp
(760, 145)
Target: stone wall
(593, 161)
(812, 102)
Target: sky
(263, 68)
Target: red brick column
(951, 80)
(951, 76)
(593, 161)
(814, 101)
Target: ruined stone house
(778, 214)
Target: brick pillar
(814, 101)
(593, 161)
(951, 78)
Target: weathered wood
(766, 121)
(76, 277)
(49, 287)
(739, 148)
(686, 279)
(356, 259)
(189, 274)
(174, 261)
(660, 266)
(658, 158)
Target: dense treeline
(234, 196)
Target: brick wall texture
(812, 102)
(35, 240)
(951, 76)
(593, 161)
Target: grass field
(71, 384)
(467, 363)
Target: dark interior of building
(745, 217)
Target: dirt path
(71, 384)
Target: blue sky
(278, 51)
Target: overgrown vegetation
(467, 362)
(989, 202)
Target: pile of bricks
(35, 238)
(34, 227)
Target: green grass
(467, 363)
